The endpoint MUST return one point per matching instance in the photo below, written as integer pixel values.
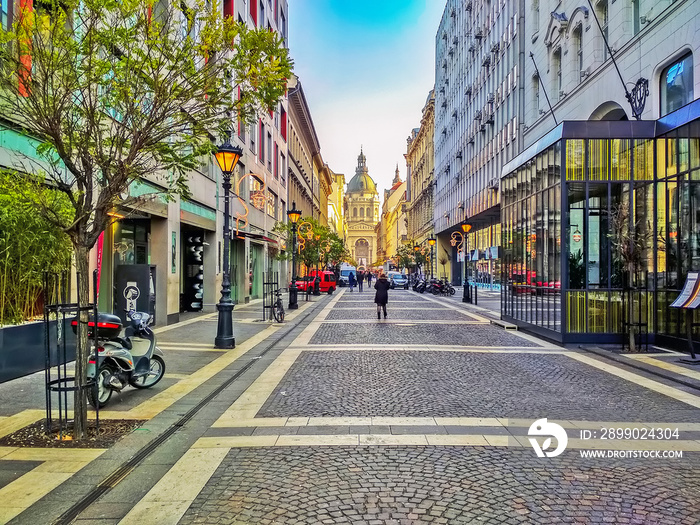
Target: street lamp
(431, 242)
(227, 157)
(294, 216)
(317, 280)
(466, 292)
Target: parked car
(327, 281)
(397, 279)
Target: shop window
(677, 84)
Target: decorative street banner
(690, 296)
(100, 249)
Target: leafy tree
(29, 246)
(322, 246)
(119, 90)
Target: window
(254, 12)
(283, 27)
(677, 84)
(283, 129)
(602, 8)
(5, 15)
(556, 66)
(536, 96)
(362, 212)
(261, 141)
(276, 171)
(269, 151)
(228, 8)
(252, 139)
(283, 169)
(369, 213)
(262, 14)
(535, 15)
(354, 212)
(272, 204)
(578, 44)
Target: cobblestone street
(424, 417)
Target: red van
(328, 284)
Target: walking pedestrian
(360, 280)
(381, 296)
(351, 281)
(369, 279)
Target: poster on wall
(173, 253)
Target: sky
(366, 67)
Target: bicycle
(278, 308)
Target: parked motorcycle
(131, 360)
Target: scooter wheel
(100, 394)
(155, 374)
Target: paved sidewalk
(423, 417)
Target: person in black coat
(381, 297)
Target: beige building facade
(420, 162)
(362, 215)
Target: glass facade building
(594, 209)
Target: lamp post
(416, 248)
(294, 216)
(466, 292)
(431, 242)
(317, 280)
(226, 157)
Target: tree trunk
(82, 262)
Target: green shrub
(29, 246)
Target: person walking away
(381, 296)
(369, 279)
(360, 280)
(351, 281)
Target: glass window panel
(597, 236)
(575, 227)
(598, 312)
(672, 261)
(683, 155)
(598, 159)
(618, 227)
(575, 160)
(620, 156)
(643, 160)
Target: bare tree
(115, 91)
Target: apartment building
(479, 63)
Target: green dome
(361, 182)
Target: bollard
(475, 294)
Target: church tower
(362, 214)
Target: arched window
(369, 213)
(354, 212)
(362, 212)
(677, 84)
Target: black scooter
(134, 359)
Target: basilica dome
(362, 182)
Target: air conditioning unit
(542, 112)
(468, 7)
(490, 98)
(479, 34)
(486, 62)
(482, 128)
(477, 115)
(585, 72)
(562, 94)
(472, 48)
(488, 118)
(455, 39)
(495, 47)
(468, 91)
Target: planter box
(23, 351)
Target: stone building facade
(362, 214)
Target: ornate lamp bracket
(638, 97)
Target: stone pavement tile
(329, 429)
(105, 511)
(417, 429)
(12, 470)
(369, 429)
(275, 431)
(229, 431)
(461, 485)
(493, 431)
